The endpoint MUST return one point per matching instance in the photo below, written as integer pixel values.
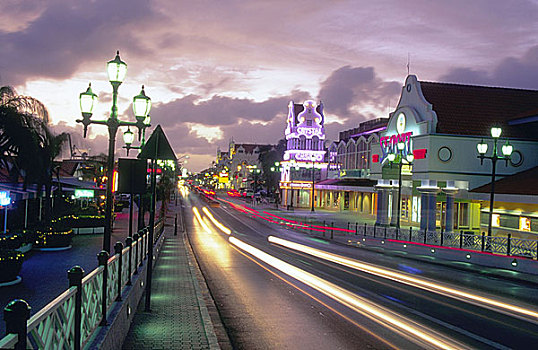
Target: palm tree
(28, 149)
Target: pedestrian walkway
(179, 318)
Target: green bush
(10, 264)
(51, 238)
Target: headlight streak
(215, 222)
(354, 302)
(409, 280)
(199, 218)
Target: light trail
(199, 217)
(409, 280)
(411, 330)
(216, 222)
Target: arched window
(302, 142)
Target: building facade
(303, 163)
(439, 125)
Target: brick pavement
(179, 318)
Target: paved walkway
(179, 318)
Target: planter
(10, 265)
(13, 241)
(53, 239)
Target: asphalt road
(263, 307)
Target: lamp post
(506, 149)
(401, 157)
(117, 70)
(312, 195)
(276, 169)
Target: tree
(267, 158)
(28, 149)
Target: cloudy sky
(217, 70)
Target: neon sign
(314, 131)
(389, 144)
(5, 199)
(83, 193)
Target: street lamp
(401, 158)
(506, 150)
(116, 70)
(313, 156)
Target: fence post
(135, 238)
(385, 233)
(332, 230)
(425, 235)
(75, 280)
(365, 225)
(410, 233)
(397, 232)
(102, 258)
(16, 314)
(483, 240)
(375, 226)
(442, 234)
(118, 247)
(348, 225)
(129, 242)
(356, 228)
(175, 226)
(461, 239)
(508, 244)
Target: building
(240, 166)
(304, 159)
(440, 125)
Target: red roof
(522, 183)
(473, 110)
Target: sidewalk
(179, 318)
(349, 219)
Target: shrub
(10, 264)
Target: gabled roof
(473, 110)
(68, 167)
(249, 148)
(522, 183)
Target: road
(270, 296)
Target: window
(524, 224)
(495, 220)
(463, 220)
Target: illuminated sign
(81, 193)
(307, 156)
(4, 198)
(314, 131)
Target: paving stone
(176, 319)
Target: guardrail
(502, 245)
(70, 320)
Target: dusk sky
(217, 70)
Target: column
(449, 216)
(428, 201)
(382, 217)
(432, 210)
(394, 214)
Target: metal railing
(70, 320)
(501, 245)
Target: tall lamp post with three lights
(116, 70)
(401, 157)
(506, 149)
